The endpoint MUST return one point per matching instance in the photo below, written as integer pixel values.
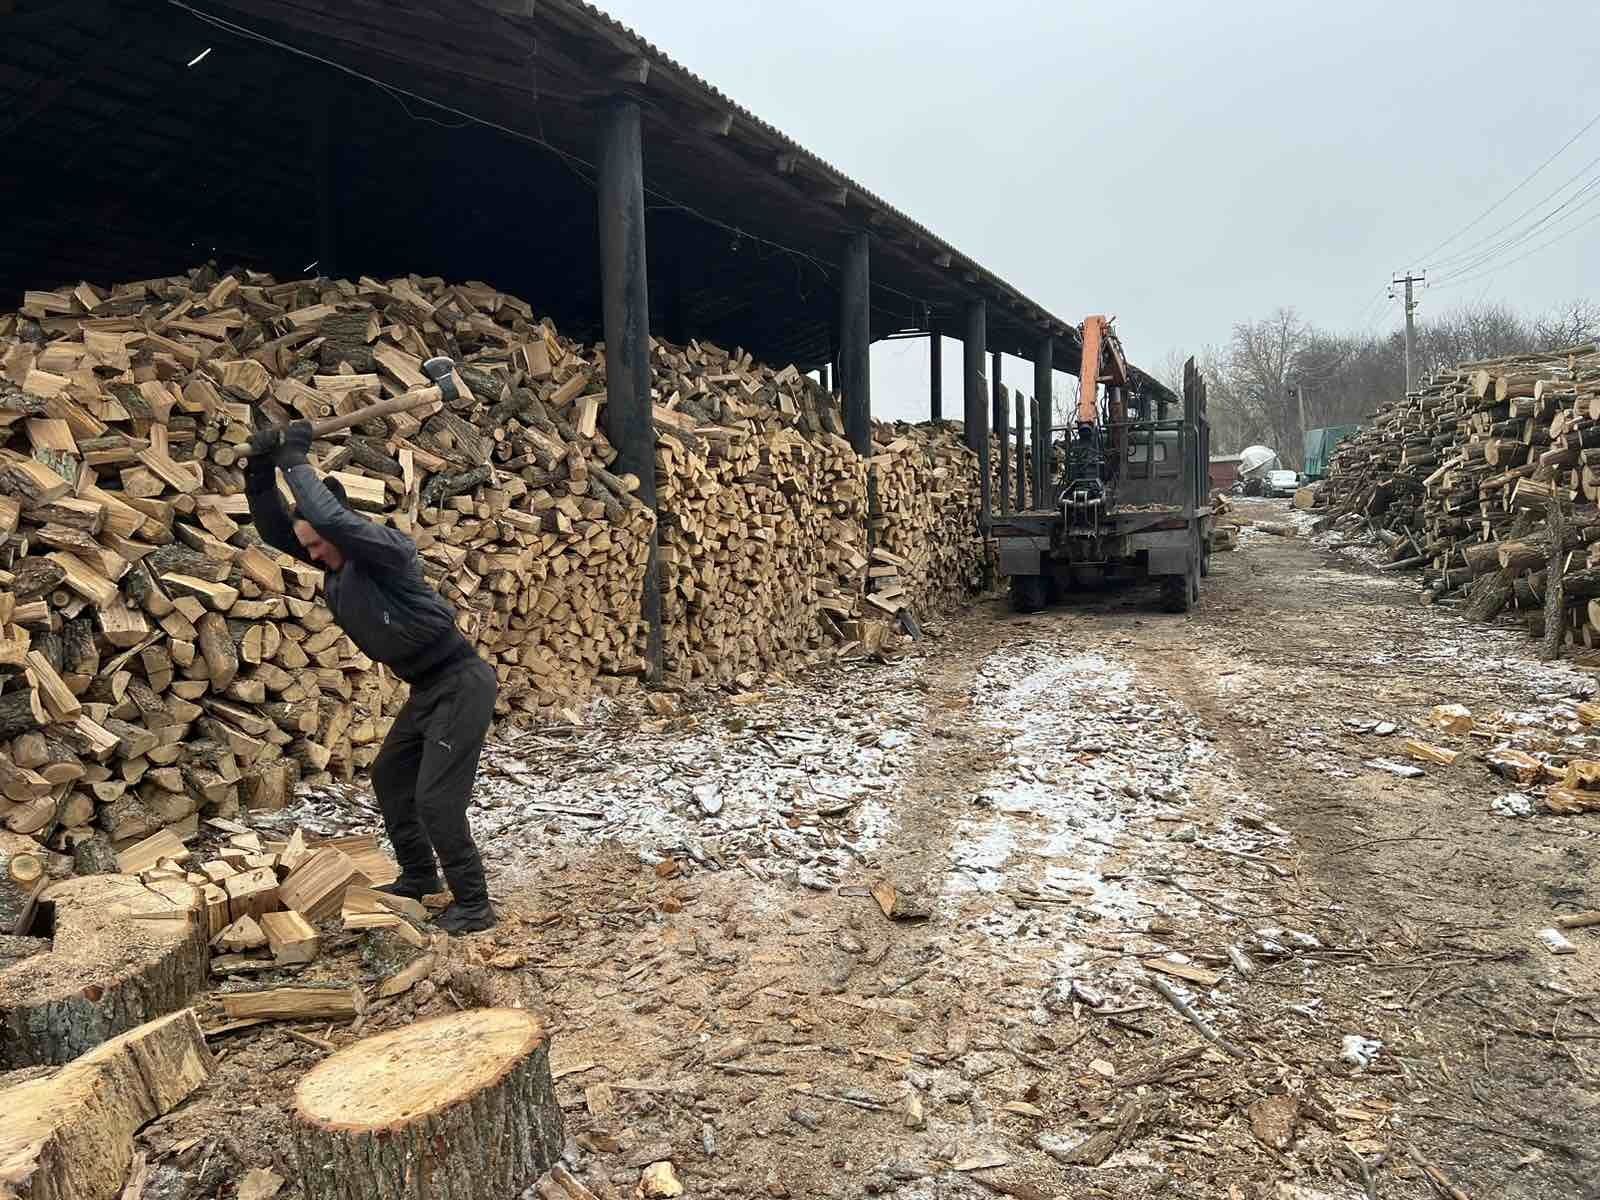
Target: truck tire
(1177, 593)
(1027, 593)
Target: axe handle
(383, 408)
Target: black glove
(263, 445)
(296, 447)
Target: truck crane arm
(1103, 362)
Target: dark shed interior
(455, 139)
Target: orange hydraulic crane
(1100, 341)
(1092, 441)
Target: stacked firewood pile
(1463, 478)
(157, 661)
(762, 505)
(925, 519)
(163, 660)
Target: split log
(315, 889)
(292, 939)
(459, 1107)
(331, 1002)
(69, 1135)
(21, 712)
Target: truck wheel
(1176, 593)
(1027, 593)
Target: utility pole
(1300, 396)
(1411, 308)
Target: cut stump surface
(114, 962)
(460, 1107)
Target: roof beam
(634, 71)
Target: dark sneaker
(413, 887)
(467, 918)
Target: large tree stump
(69, 1135)
(114, 963)
(460, 1107)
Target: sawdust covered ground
(1084, 801)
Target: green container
(1320, 444)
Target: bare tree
(1171, 370)
(1571, 324)
(1066, 402)
(1273, 367)
(1471, 333)
(1258, 368)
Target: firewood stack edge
(158, 663)
(1462, 478)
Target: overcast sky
(1183, 165)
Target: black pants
(423, 776)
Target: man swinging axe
(423, 775)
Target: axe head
(439, 370)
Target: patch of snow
(1512, 804)
(799, 785)
(1360, 1052)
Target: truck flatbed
(1035, 520)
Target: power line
(1529, 178)
(1473, 249)
(1542, 246)
(1364, 313)
(1591, 191)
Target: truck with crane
(1127, 492)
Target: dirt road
(1072, 807)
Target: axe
(443, 388)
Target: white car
(1282, 483)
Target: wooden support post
(1044, 414)
(1002, 431)
(825, 377)
(625, 289)
(935, 373)
(855, 344)
(976, 409)
(1041, 432)
(1022, 452)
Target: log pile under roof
(158, 662)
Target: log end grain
(113, 964)
(460, 1107)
